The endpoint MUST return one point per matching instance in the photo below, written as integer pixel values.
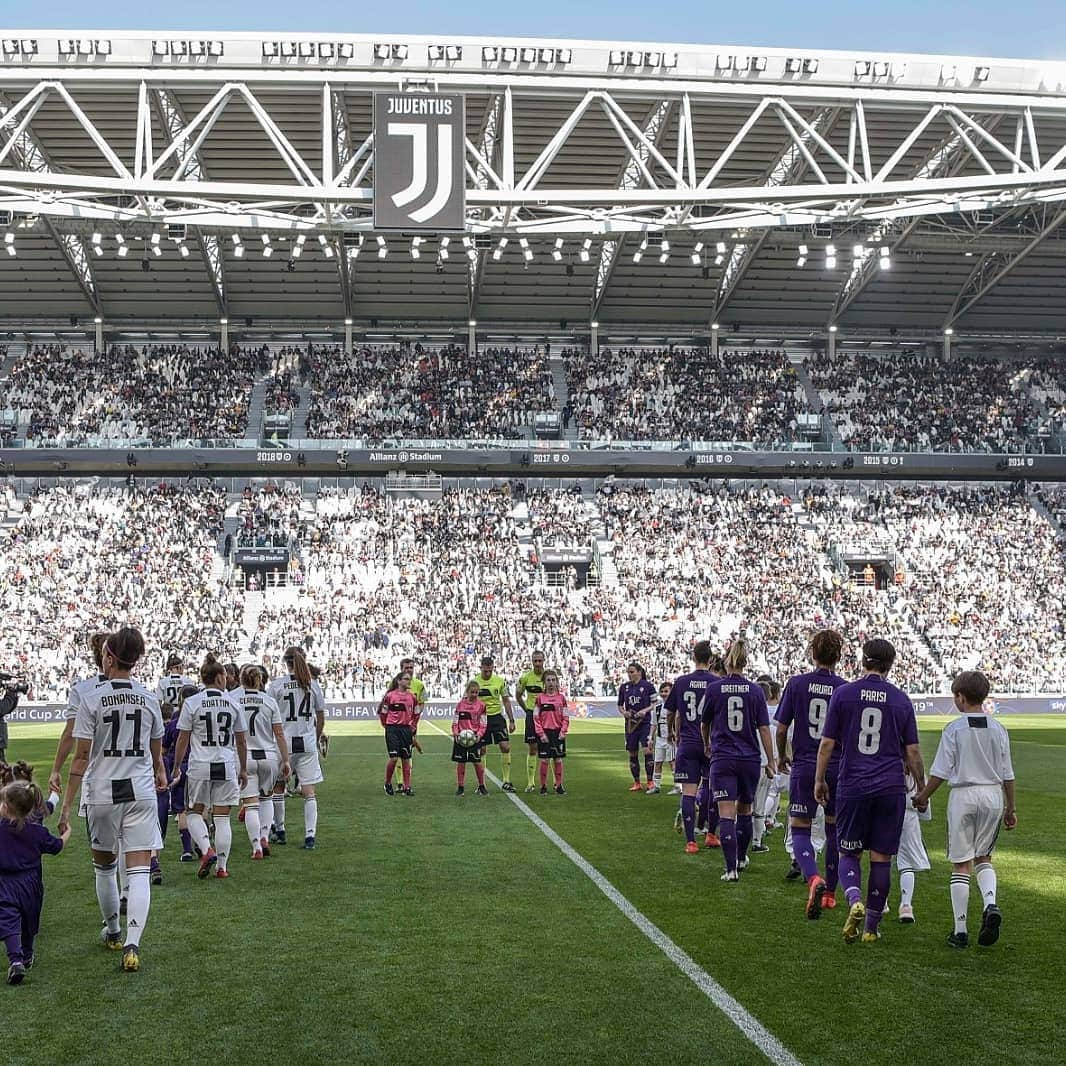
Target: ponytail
(21, 798)
(211, 671)
(252, 677)
(736, 658)
(296, 661)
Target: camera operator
(10, 690)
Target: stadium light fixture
(382, 51)
(472, 322)
(236, 238)
(265, 238)
(557, 251)
(223, 321)
(948, 72)
(724, 62)
(529, 55)
(801, 261)
(268, 251)
(97, 238)
(719, 260)
(949, 332)
(810, 66)
(720, 248)
(857, 250)
(383, 248)
(238, 251)
(416, 252)
(347, 321)
(547, 55)
(583, 255)
(862, 68)
(832, 329)
(653, 59)
(155, 239)
(399, 51)
(454, 52)
(563, 55)
(97, 250)
(793, 65)
(509, 55)
(803, 250)
(443, 251)
(156, 251)
(183, 249)
(670, 59)
(830, 262)
(471, 254)
(490, 54)
(981, 73)
(435, 52)
(595, 324)
(715, 326)
(885, 258)
(123, 250)
(98, 321)
(467, 243)
(617, 58)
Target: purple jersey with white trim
(687, 699)
(633, 696)
(736, 708)
(805, 701)
(872, 721)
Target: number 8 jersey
(299, 709)
(213, 721)
(121, 718)
(872, 721)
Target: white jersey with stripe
(120, 718)
(169, 688)
(76, 694)
(262, 713)
(299, 707)
(659, 717)
(213, 719)
(974, 749)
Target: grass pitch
(443, 930)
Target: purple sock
(713, 819)
(832, 856)
(634, 768)
(186, 842)
(649, 768)
(851, 877)
(688, 816)
(745, 829)
(162, 807)
(803, 850)
(877, 893)
(13, 944)
(727, 834)
(154, 865)
(703, 806)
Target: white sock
(906, 887)
(107, 895)
(657, 777)
(310, 816)
(198, 831)
(223, 839)
(986, 883)
(123, 878)
(251, 823)
(266, 815)
(140, 898)
(279, 811)
(960, 900)
(758, 827)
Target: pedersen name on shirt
(873, 695)
(123, 699)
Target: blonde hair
(737, 657)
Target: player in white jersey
(911, 856)
(70, 712)
(172, 682)
(268, 756)
(212, 729)
(974, 758)
(118, 764)
(662, 750)
(772, 691)
(303, 711)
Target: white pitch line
(735, 1011)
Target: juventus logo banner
(419, 145)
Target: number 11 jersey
(121, 718)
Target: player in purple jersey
(636, 698)
(684, 708)
(173, 800)
(873, 724)
(804, 706)
(734, 722)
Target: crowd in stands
(410, 392)
(917, 401)
(85, 558)
(67, 395)
(976, 580)
(678, 393)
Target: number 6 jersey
(121, 718)
(213, 720)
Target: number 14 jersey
(299, 708)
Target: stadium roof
(939, 181)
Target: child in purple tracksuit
(22, 843)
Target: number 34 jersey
(872, 723)
(120, 718)
(213, 721)
(299, 708)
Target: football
(467, 738)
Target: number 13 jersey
(121, 718)
(213, 720)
